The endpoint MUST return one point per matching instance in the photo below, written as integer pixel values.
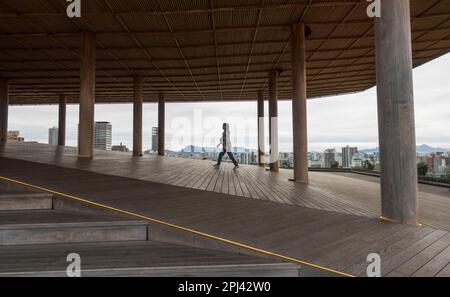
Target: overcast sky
(333, 122)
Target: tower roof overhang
(199, 50)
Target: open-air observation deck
(182, 51)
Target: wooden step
(26, 234)
(54, 226)
(25, 201)
(140, 258)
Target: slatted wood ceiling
(199, 50)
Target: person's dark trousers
(230, 155)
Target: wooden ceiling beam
(203, 68)
(284, 28)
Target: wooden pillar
(87, 95)
(261, 150)
(273, 121)
(299, 106)
(137, 116)
(161, 123)
(396, 113)
(62, 120)
(4, 102)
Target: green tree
(335, 165)
(422, 169)
(369, 165)
(447, 172)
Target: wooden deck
(338, 192)
(331, 222)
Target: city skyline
(330, 124)
(431, 162)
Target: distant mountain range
(198, 149)
(422, 149)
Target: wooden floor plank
(413, 265)
(438, 266)
(411, 251)
(391, 250)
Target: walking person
(226, 147)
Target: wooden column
(299, 107)
(137, 116)
(161, 123)
(62, 120)
(4, 102)
(273, 121)
(87, 95)
(396, 113)
(261, 150)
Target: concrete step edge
(169, 270)
(27, 195)
(70, 225)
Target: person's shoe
(216, 166)
(236, 167)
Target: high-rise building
(253, 158)
(329, 157)
(243, 158)
(431, 162)
(103, 136)
(347, 156)
(53, 136)
(247, 158)
(155, 139)
(314, 160)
